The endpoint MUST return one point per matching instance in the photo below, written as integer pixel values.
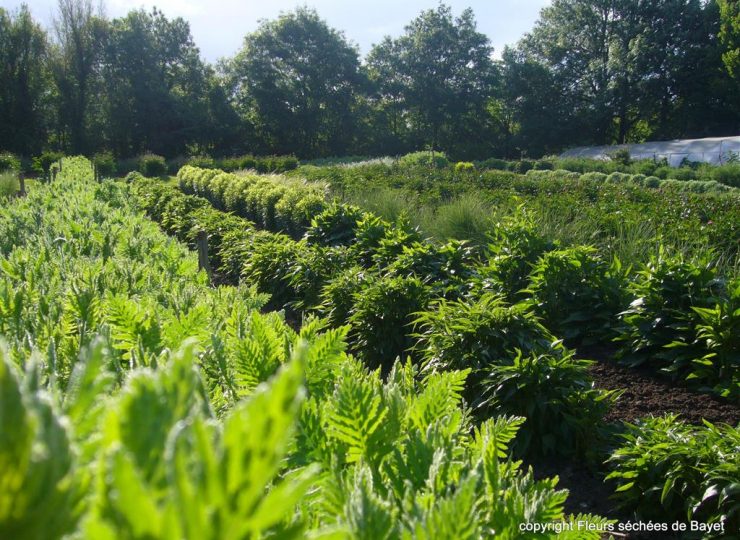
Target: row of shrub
(578, 295)
(276, 204)
(384, 280)
(728, 173)
(694, 186)
(448, 312)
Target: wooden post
(60, 165)
(22, 182)
(203, 262)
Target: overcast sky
(219, 26)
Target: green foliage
(727, 174)
(668, 470)
(42, 163)
(464, 167)
(335, 226)
(477, 334)
(578, 295)
(382, 315)
(8, 184)
(274, 203)
(426, 158)
(154, 405)
(556, 396)
(676, 299)
(151, 165)
(105, 163)
(41, 484)
(515, 247)
(9, 162)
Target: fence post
(22, 185)
(203, 262)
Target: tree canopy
(589, 72)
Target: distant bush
(464, 166)
(682, 173)
(523, 166)
(424, 159)
(42, 164)
(494, 163)
(594, 176)
(544, 165)
(152, 165)
(9, 162)
(621, 156)
(8, 184)
(264, 164)
(727, 174)
(203, 161)
(618, 178)
(105, 163)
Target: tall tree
(159, 93)
(441, 73)
(80, 32)
(23, 82)
(730, 35)
(296, 82)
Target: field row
(446, 309)
(140, 402)
(674, 315)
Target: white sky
(219, 26)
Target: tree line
(589, 72)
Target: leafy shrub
(727, 174)
(447, 268)
(42, 164)
(275, 164)
(382, 318)
(621, 156)
(338, 295)
(424, 159)
(202, 161)
(543, 165)
(661, 324)
(718, 332)
(477, 334)
(494, 163)
(643, 166)
(152, 165)
(9, 162)
(515, 246)
(618, 178)
(8, 184)
(335, 226)
(523, 165)
(668, 470)
(594, 176)
(683, 174)
(556, 396)
(464, 167)
(577, 294)
(105, 163)
(268, 265)
(652, 182)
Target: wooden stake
(203, 262)
(22, 182)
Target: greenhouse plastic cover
(716, 150)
